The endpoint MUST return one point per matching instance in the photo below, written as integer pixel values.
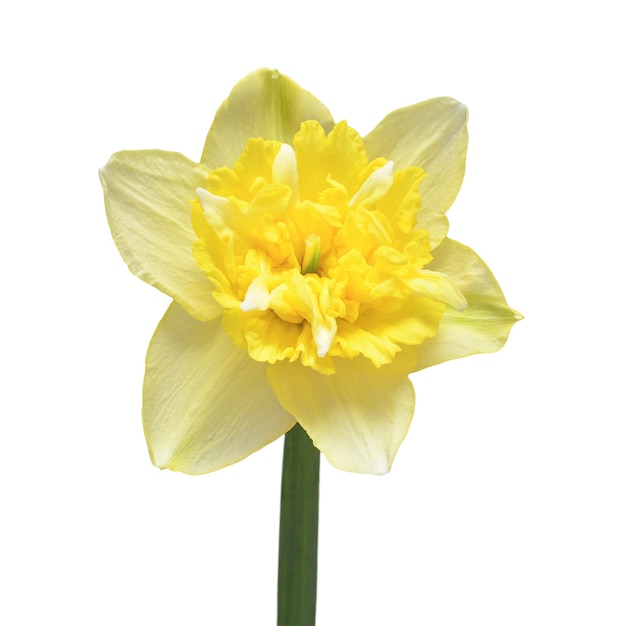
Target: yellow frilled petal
(358, 417)
(148, 195)
(433, 136)
(206, 403)
(264, 104)
(314, 254)
(484, 325)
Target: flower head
(310, 272)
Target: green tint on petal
(147, 196)
(357, 417)
(431, 135)
(264, 104)
(207, 404)
(484, 325)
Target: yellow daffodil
(310, 274)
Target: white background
(505, 505)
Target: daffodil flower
(310, 274)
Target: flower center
(316, 253)
(311, 259)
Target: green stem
(297, 550)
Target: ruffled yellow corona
(310, 273)
(315, 252)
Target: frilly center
(316, 252)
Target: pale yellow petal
(264, 104)
(207, 404)
(431, 135)
(357, 417)
(484, 325)
(148, 201)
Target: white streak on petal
(324, 332)
(378, 183)
(285, 169)
(257, 297)
(213, 204)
